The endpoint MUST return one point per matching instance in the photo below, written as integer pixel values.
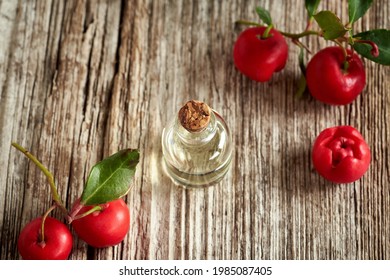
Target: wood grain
(80, 80)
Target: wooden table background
(80, 80)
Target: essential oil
(197, 146)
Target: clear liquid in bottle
(197, 146)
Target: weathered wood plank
(81, 79)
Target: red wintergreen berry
(257, 57)
(329, 82)
(45, 238)
(340, 154)
(260, 51)
(100, 217)
(105, 226)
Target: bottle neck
(200, 137)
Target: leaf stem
(374, 47)
(301, 45)
(309, 23)
(47, 173)
(90, 211)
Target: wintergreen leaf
(381, 37)
(264, 15)
(330, 24)
(311, 6)
(301, 60)
(357, 8)
(110, 179)
(302, 87)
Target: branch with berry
(334, 75)
(99, 216)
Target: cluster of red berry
(334, 75)
(100, 216)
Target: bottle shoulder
(198, 152)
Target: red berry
(340, 154)
(258, 58)
(106, 227)
(327, 80)
(57, 243)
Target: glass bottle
(196, 146)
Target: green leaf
(330, 24)
(357, 8)
(264, 15)
(311, 6)
(302, 86)
(381, 37)
(110, 179)
(301, 60)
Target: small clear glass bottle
(197, 146)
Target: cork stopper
(194, 116)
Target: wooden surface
(80, 80)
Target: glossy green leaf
(110, 179)
(264, 15)
(330, 24)
(357, 8)
(311, 6)
(381, 37)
